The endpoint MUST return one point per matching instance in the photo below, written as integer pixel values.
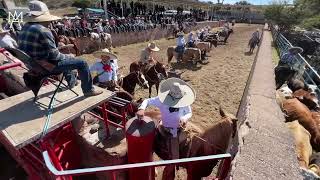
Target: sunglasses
(171, 109)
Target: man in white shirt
(181, 42)
(174, 102)
(105, 69)
(6, 40)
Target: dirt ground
(220, 82)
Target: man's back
(38, 42)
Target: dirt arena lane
(221, 82)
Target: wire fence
(305, 70)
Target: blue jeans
(65, 66)
(180, 51)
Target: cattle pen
(229, 80)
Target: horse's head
(161, 71)
(230, 119)
(141, 80)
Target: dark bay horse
(253, 42)
(154, 73)
(129, 82)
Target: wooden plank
(22, 120)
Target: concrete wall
(264, 148)
(122, 39)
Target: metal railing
(301, 64)
(113, 168)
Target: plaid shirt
(38, 42)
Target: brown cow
(302, 142)
(295, 110)
(190, 54)
(214, 140)
(308, 98)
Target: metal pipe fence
(301, 63)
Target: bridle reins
(137, 73)
(155, 70)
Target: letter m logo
(15, 18)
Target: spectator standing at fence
(37, 41)
(174, 102)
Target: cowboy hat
(317, 40)
(295, 50)
(39, 12)
(153, 47)
(77, 17)
(176, 93)
(180, 34)
(104, 52)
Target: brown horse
(129, 82)
(64, 40)
(154, 74)
(214, 140)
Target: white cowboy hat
(180, 34)
(153, 47)
(295, 50)
(77, 17)
(39, 12)
(104, 52)
(176, 93)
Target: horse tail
(170, 54)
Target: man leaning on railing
(287, 66)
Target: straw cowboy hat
(153, 47)
(180, 34)
(104, 52)
(39, 12)
(176, 93)
(295, 50)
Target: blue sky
(256, 2)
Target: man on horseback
(255, 39)
(181, 43)
(105, 69)
(146, 57)
(174, 102)
(286, 68)
(191, 40)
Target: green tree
(81, 3)
(243, 3)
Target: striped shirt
(38, 42)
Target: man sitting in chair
(105, 69)
(37, 41)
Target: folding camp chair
(38, 74)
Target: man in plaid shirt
(38, 42)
